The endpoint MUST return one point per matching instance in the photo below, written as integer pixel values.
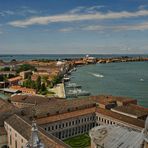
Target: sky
(73, 26)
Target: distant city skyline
(73, 27)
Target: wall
(64, 129)
(15, 140)
(3, 140)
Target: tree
(45, 80)
(56, 79)
(43, 87)
(5, 80)
(25, 67)
(1, 78)
(5, 69)
(38, 83)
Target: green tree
(5, 69)
(25, 67)
(38, 83)
(43, 87)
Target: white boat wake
(97, 75)
(141, 80)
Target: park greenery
(5, 69)
(38, 85)
(25, 67)
(56, 79)
(81, 141)
(5, 77)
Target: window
(49, 128)
(15, 144)
(79, 121)
(76, 121)
(63, 125)
(10, 140)
(22, 140)
(56, 126)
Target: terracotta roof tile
(120, 117)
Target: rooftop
(6, 110)
(133, 110)
(25, 130)
(33, 99)
(15, 79)
(5, 106)
(105, 99)
(59, 107)
(122, 118)
(64, 116)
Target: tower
(34, 141)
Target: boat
(73, 85)
(66, 79)
(82, 92)
(74, 68)
(71, 94)
(77, 93)
(70, 71)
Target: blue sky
(73, 26)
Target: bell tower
(34, 141)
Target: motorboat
(77, 93)
(82, 92)
(73, 85)
(66, 78)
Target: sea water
(120, 79)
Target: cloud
(82, 9)
(1, 32)
(140, 27)
(20, 12)
(6, 12)
(68, 17)
(77, 10)
(141, 7)
(68, 29)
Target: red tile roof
(121, 118)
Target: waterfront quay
(46, 77)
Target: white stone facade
(64, 129)
(3, 141)
(15, 140)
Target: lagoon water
(123, 79)
(120, 79)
